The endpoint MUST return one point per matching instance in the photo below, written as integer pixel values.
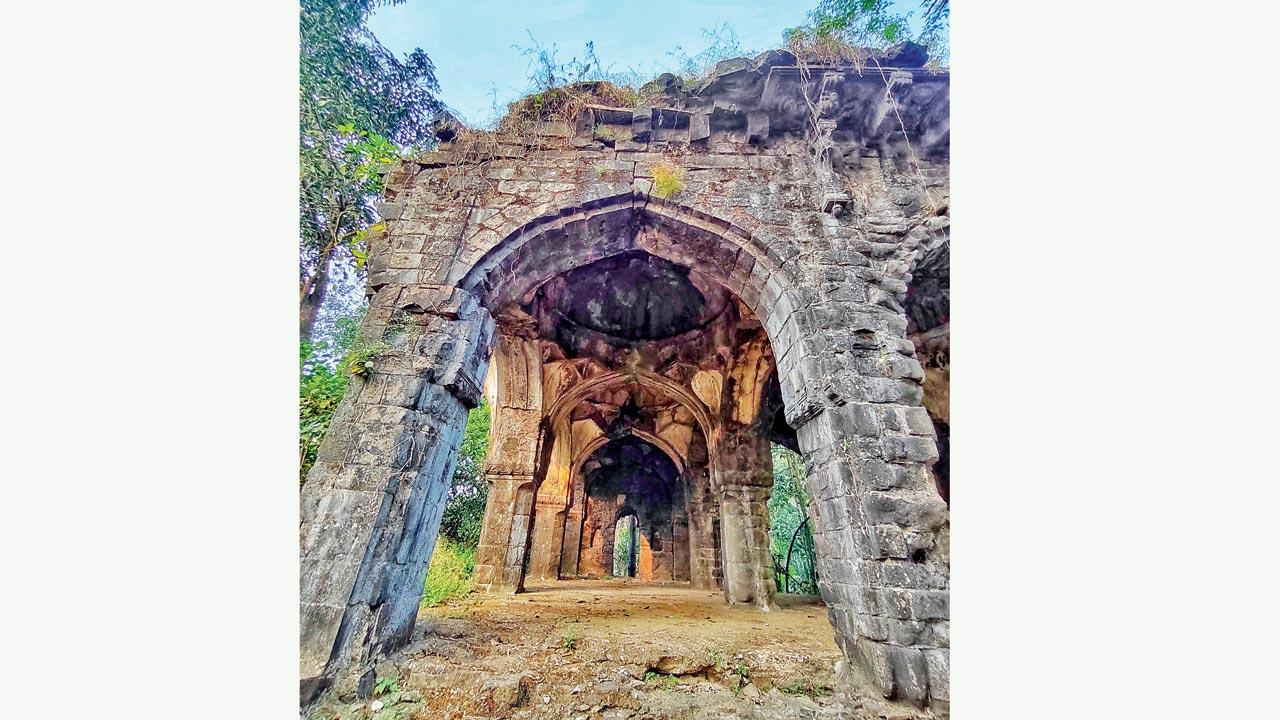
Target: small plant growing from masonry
(668, 180)
(360, 361)
(604, 132)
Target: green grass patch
(449, 575)
(805, 687)
(668, 180)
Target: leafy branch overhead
(839, 28)
(360, 104)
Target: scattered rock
(508, 690)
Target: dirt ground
(606, 649)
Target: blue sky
(473, 43)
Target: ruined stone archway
(535, 253)
(628, 475)
(453, 269)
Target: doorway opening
(626, 546)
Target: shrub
(449, 575)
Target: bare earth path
(608, 649)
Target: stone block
(881, 475)
(909, 448)
(641, 125)
(920, 510)
(938, 663)
(699, 127)
(931, 604)
(757, 127)
(910, 673)
(873, 657)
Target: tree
(324, 370)
(359, 105)
(790, 533)
(464, 509)
(875, 24)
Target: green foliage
(359, 105)
(449, 574)
(570, 639)
(359, 361)
(623, 546)
(668, 180)
(386, 685)
(548, 73)
(788, 507)
(805, 687)
(323, 380)
(464, 509)
(840, 27)
(722, 44)
(663, 680)
(742, 674)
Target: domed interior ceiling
(635, 468)
(631, 297)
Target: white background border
(1114, 410)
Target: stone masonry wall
(819, 249)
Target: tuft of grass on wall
(668, 180)
(449, 575)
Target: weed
(668, 180)
(386, 685)
(742, 673)
(662, 680)
(360, 361)
(805, 687)
(570, 639)
(601, 170)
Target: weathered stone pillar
(511, 465)
(571, 544)
(548, 535)
(853, 393)
(680, 545)
(703, 511)
(745, 473)
(500, 553)
(372, 503)
(549, 517)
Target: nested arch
(564, 405)
(600, 441)
(630, 475)
(750, 264)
